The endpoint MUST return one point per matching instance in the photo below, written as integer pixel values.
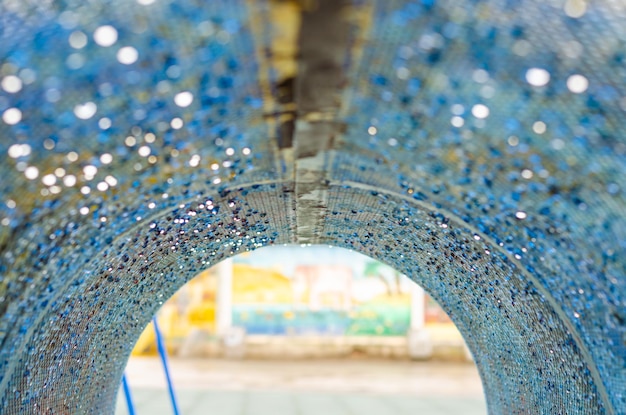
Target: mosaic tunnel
(478, 147)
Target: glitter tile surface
(476, 146)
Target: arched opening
(500, 312)
(280, 326)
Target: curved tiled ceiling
(476, 146)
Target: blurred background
(299, 330)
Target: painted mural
(291, 290)
(318, 290)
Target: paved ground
(339, 387)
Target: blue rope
(128, 396)
(163, 354)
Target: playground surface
(305, 387)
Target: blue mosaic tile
(476, 146)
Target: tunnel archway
(446, 260)
(121, 188)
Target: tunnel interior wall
(477, 147)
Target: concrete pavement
(328, 387)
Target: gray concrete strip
(323, 45)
